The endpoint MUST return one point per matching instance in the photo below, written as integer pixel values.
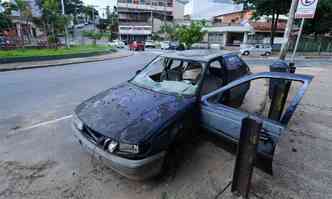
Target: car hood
(131, 114)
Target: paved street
(40, 159)
(32, 96)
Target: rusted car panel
(226, 121)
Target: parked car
(200, 46)
(150, 44)
(257, 49)
(131, 127)
(81, 25)
(174, 45)
(117, 44)
(164, 45)
(137, 46)
(4, 42)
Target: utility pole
(288, 31)
(297, 41)
(93, 17)
(66, 30)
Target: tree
(50, 13)
(322, 22)
(273, 8)
(74, 8)
(190, 34)
(5, 21)
(169, 30)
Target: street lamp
(66, 30)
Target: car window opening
(255, 97)
(171, 76)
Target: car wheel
(246, 53)
(267, 54)
(186, 137)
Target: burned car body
(131, 126)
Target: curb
(63, 64)
(52, 57)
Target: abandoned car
(131, 126)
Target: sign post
(305, 10)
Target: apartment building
(207, 9)
(139, 19)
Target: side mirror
(138, 72)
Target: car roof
(199, 55)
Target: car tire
(246, 53)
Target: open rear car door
(220, 115)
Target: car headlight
(129, 148)
(77, 122)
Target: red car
(137, 46)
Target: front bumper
(132, 169)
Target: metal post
(93, 18)
(66, 30)
(288, 31)
(297, 40)
(246, 156)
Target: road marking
(40, 124)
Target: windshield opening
(171, 76)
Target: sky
(100, 5)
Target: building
(139, 19)
(235, 28)
(24, 30)
(207, 9)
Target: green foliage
(170, 31)
(5, 22)
(95, 35)
(322, 22)
(47, 52)
(273, 8)
(110, 23)
(190, 34)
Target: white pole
(66, 30)
(288, 31)
(297, 40)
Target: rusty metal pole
(246, 156)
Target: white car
(164, 45)
(81, 25)
(257, 49)
(117, 44)
(150, 44)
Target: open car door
(223, 117)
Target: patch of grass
(47, 52)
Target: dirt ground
(46, 162)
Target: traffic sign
(306, 9)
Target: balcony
(136, 29)
(167, 8)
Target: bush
(95, 35)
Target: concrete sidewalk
(60, 62)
